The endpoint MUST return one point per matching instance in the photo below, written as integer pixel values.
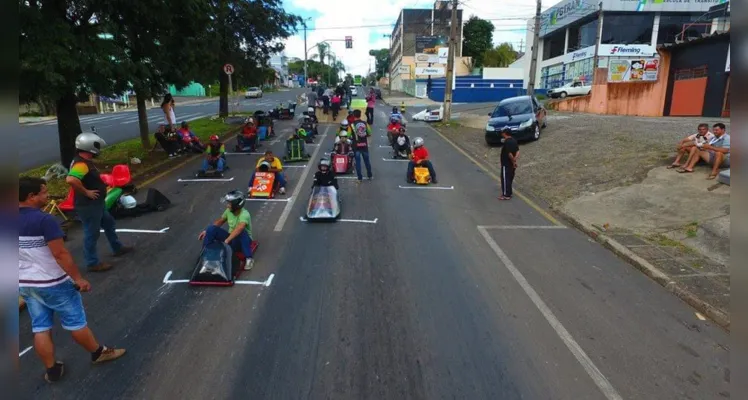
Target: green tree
(500, 57)
(381, 62)
(477, 39)
(323, 52)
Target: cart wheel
(161, 207)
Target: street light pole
(389, 65)
(306, 77)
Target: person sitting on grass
(167, 141)
(701, 137)
(239, 235)
(270, 163)
(189, 139)
(715, 153)
(215, 155)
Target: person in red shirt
(351, 118)
(190, 140)
(393, 129)
(420, 158)
(248, 137)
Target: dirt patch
(580, 154)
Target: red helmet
(214, 138)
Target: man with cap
(509, 156)
(89, 201)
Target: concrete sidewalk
(399, 98)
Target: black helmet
(394, 110)
(324, 165)
(235, 199)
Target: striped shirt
(37, 266)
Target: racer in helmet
(247, 139)
(342, 145)
(299, 136)
(420, 158)
(325, 176)
(393, 129)
(270, 163)
(215, 155)
(239, 235)
(84, 178)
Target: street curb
(719, 317)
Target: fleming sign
(623, 50)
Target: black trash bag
(215, 265)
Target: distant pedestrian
(361, 134)
(509, 156)
(336, 99)
(167, 106)
(50, 282)
(89, 201)
(311, 98)
(371, 102)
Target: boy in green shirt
(239, 236)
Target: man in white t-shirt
(715, 153)
(702, 136)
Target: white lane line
(427, 187)
(244, 154)
(393, 160)
(261, 199)
(270, 280)
(381, 146)
(522, 226)
(206, 180)
(259, 283)
(166, 280)
(299, 185)
(26, 350)
(300, 166)
(600, 380)
(346, 177)
(360, 221)
(167, 276)
(139, 230)
(178, 281)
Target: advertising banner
(634, 70)
(581, 54)
(404, 69)
(428, 47)
(627, 50)
(429, 70)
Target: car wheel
(536, 134)
(562, 95)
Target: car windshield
(512, 108)
(254, 89)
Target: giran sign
(565, 13)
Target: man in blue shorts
(50, 282)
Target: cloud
(367, 21)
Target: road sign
(228, 69)
(349, 42)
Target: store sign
(404, 69)
(427, 58)
(578, 55)
(633, 70)
(429, 49)
(429, 70)
(563, 14)
(627, 50)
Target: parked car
(570, 89)
(253, 92)
(524, 115)
(354, 91)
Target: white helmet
(89, 142)
(418, 142)
(343, 133)
(310, 109)
(344, 123)
(128, 201)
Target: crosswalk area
(124, 118)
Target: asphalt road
(421, 304)
(39, 141)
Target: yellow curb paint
(524, 198)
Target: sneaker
(107, 354)
(282, 190)
(248, 264)
(55, 373)
(100, 267)
(124, 250)
(434, 182)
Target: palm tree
(323, 51)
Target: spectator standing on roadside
(509, 156)
(311, 98)
(371, 101)
(361, 133)
(49, 281)
(89, 201)
(167, 106)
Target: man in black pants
(509, 156)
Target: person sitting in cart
(248, 137)
(190, 140)
(325, 176)
(239, 235)
(343, 145)
(297, 139)
(270, 163)
(420, 158)
(216, 155)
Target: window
(671, 27)
(580, 70)
(582, 36)
(553, 45)
(515, 107)
(690, 73)
(552, 77)
(628, 28)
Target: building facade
(279, 62)
(631, 30)
(417, 30)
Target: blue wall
(475, 89)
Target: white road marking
(381, 146)
(393, 160)
(167, 276)
(261, 199)
(259, 283)
(346, 177)
(26, 350)
(700, 317)
(166, 280)
(427, 187)
(522, 226)
(270, 280)
(178, 281)
(361, 221)
(139, 230)
(600, 380)
(244, 154)
(300, 166)
(299, 185)
(206, 180)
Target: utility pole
(306, 77)
(450, 63)
(597, 41)
(534, 54)
(389, 66)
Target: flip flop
(684, 171)
(504, 198)
(711, 177)
(672, 166)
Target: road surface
(39, 141)
(424, 294)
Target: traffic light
(348, 42)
